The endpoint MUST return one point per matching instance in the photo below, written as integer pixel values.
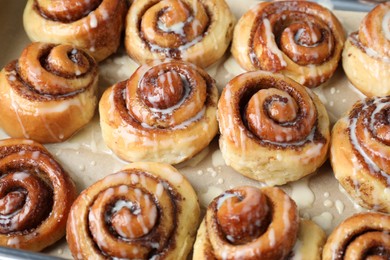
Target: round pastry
(362, 236)
(360, 153)
(165, 112)
(145, 211)
(35, 196)
(299, 39)
(93, 25)
(251, 223)
(192, 30)
(49, 93)
(272, 129)
(366, 56)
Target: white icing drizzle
(125, 204)
(20, 176)
(386, 25)
(224, 197)
(286, 209)
(369, 51)
(339, 206)
(328, 203)
(302, 194)
(379, 103)
(271, 237)
(13, 242)
(271, 45)
(217, 159)
(35, 155)
(15, 106)
(177, 28)
(324, 220)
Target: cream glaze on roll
(299, 39)
(35, 196)
(145, 211)
(360, 153)
(272, 129)
(251, 223)
(49, 93)
(195, 31)
(362, 236)
(366, 56)
(165, 112)
(93, 25)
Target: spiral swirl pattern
(366, 56)
(297, 38)
(179, 29)
(35, 196)
(374, 31)
(248, 223)
(365, 135)
(93, 25)
(139, 213)
(49, 85)
(164, 112)
(267, 120)
(362, 236)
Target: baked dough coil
(48, 93)
(362, 236)
(93, 25)
(145, 211)
(360, 153)
(35, 196)
(251, 223)
(165, 112)
(195, 31)
(366, 56)
(299, 39)
(272, 129)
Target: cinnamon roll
(35, 196)
(145, 211)
(362, 236)
(93, 25)
(195, 31)
(299, 39)
(272, 129)
(360, 153)
(366, 56)
(251, 223)
(165, 112)
(48, 93)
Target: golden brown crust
(366, 56)
(146, 210)
(360, 153)
(195, 31)
(94, 26)
(362, 236)
(143, 120)
(268, 229)
(260, 140)
(49, 93)
(299, 39)
(35, 196)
